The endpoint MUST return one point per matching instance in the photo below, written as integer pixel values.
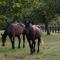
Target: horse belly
(18, 31)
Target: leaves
(18, 5)
(39, 11)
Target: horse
(13, 30)
(33, 33)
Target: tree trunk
(47, 29)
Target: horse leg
(19, 41)
(39, 40)
(34, 46)
(30, 45)
(11, 38)
(13, 43)
(23, 40)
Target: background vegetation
(39, 11)
(49, 51)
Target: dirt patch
(14, 57)
(21, 57)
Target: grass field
(50, 50)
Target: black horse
(33, 33)
(14, 29)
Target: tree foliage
(39, 11)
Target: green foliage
(40, 11)
(3, 20)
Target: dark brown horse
(14, 30)
(33, 33)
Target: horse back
(37, 31)
(16, 28)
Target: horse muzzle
(3, 44)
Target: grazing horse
(33, 33)
(14, 29)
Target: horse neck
(5, 33)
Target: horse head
(28, 24)
(3, 38)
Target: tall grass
(50, 50)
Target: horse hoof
(37, 51)
(34, 50)
(13, 47)
(18, 46)
(23, 46)
(3, 45)
(31, 53)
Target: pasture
(50, 50)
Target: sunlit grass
(50, 50)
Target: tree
(45, 12)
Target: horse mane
(21, 24)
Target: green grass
(49, 51)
